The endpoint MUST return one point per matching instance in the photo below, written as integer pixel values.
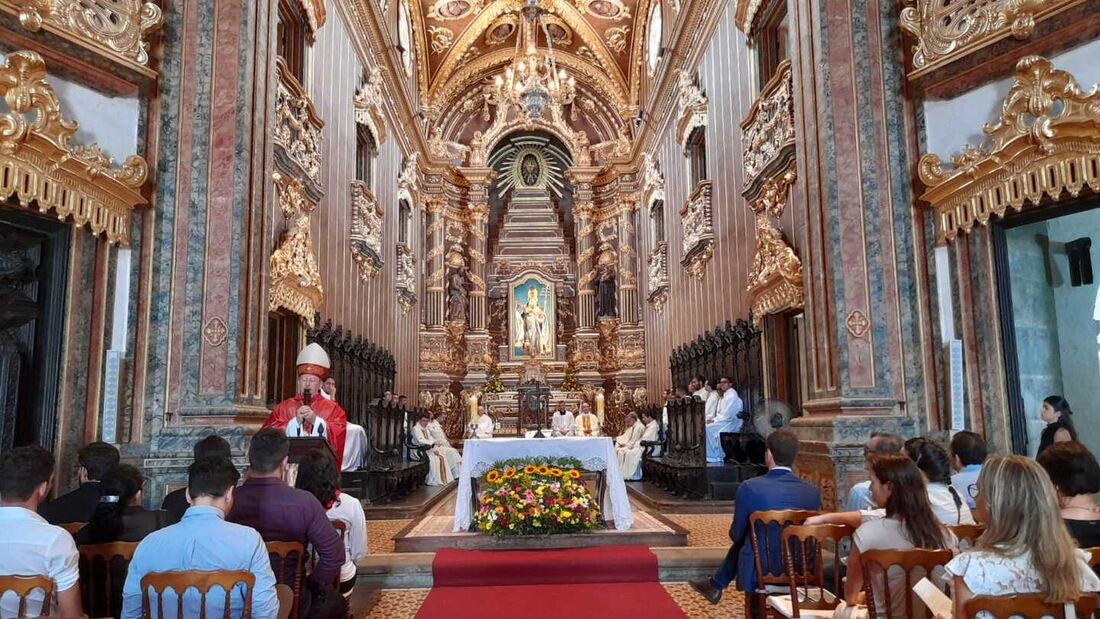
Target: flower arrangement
(493, 384)
(535, 497)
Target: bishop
(309, 413)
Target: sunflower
(544, 470)
(529, 469)
(574, 473)
(492, 476)
(556, 472)
(509, 473)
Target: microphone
(307, 396)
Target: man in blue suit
(778, 489)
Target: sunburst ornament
(532, 163)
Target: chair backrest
(288, 562)
(1094, 556)
(803, 550)
(765, 534)
(876, 567)
(1028, 606)
(102, 575)
(23, 586)
(72, 527)
(203, 582)
(968, 533)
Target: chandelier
(534, 82)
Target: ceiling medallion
(441, 38)
(534, 82)
(616, 38)
(857, 324)
(560, 33)
(607, 9)
(502, 29)
(453, 9)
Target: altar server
(586, 424)
(308, 413)
(562, 422)
(485, 425)
(444, 460)
(712, 400)
(726, 420)
(630, 459)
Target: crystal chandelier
(534, 82)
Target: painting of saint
(532, 319)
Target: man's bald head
(884, 443)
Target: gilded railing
(698, 230)
(947, 30)
(118, 29)
(366, 231)
(41, 169)
(767, 132)
(298, 135)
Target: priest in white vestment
(436, 430)
(725, 421)
(586, 424)
(561, 424)
(630, 459)
(485, 426)
(444, 460)
(632, 434)
(355, 441)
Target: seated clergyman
(630, 457)
(586, 424)
(562, 422)
(444, 460)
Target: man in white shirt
(712, 400)
(968, 452)
(445, 462)
(725, 421)
(485, 425)
(859, 497)
(586, 424)
(29, 544)
(561, 424)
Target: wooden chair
(1094, 556)
(1028, 606)
(968, 533)
(908, 560)
(771, 576)
(23, 586)
(804, 553)
(102, 575)
(203, 582)
(72, 527)
(288, 562)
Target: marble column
(628, 260)
(478, 228)
(434, 298)
(584, 218)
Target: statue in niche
(534, 325)
(530, 170)
(456, 294)
(606, 290)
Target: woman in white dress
(318, 476)
(1026, 547)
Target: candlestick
(473, 409)
(599, 407)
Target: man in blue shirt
(968, 452)
(203, 540)
(859, 497)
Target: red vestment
(335, 418)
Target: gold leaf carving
(117, 27)
(693, 106)
(297, 126)
(698, 231)
(366, 231)
(775, 282)
(295, 279)
(767, 132)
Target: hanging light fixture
(534, 81)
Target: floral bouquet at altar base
(535, 497)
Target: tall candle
(473, 409)
(599, 406)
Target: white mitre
(313, 360)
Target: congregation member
(318, 476)
(726, 420)
(909, 522)
(631, 434)
(204, 541)
(779, 488)
(630, 459)
(485, 426)
(119, 517)
(308, 413)
(859, 497)
(935, 466)
(78, 506)
(1026, 547)
(402, 401)
(213, 446)
(1076, 477)
(444, 460)
(1058, 416)
(561, 423)
(586, 424)
(355, 442)
(280, 513)
(29, 544)
(968, 452)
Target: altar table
(595, 453)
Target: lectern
(300, 446)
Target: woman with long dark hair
(1059, 419)
(119, 517)
(318, 475)
(1076, 477)
(935, 466)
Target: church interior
(638, 242)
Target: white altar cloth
(595, 453)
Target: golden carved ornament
(698, 231)
(405, 280)
(315, 13)
(1046, 143)
(631, 347)
(39, 165)
(767, 132)
(658, 277)
(508, 120)
(118, 28)
(745, 15)
(295, 279)
(775, 281)
(297, 127)
(435, 356)
(693, 106)
(366, 231)
(368, 103)
(947, 30)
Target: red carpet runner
(580, 583)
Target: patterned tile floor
(705, 529)
(380, 535)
